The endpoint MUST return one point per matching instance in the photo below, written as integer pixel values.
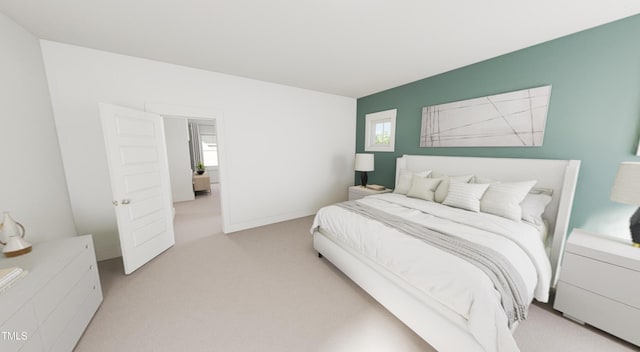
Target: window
(209, 150)
(380, 131)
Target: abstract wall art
(514, 119)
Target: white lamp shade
(364, 162)
(626, 187)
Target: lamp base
(634, 226)
(18, 252)
(364, 178)
(16, 246)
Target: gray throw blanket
(504, 276)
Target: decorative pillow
(504, 198)
(403, 183)
(443, 188)
(423, 188)
(465, 195)
(533, 207)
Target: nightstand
(600, 284)
(357, 192)
(201, 182)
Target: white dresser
(600, 284)
(49, 309)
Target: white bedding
(455, 283)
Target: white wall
(176, 133)
(32, 184)
(284, 151)
(214, 174)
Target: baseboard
(108, 253)
(249, 224)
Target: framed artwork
(514, 119)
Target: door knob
(125, 201)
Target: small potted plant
(200, 168)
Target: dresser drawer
(59, 286)
(53, 304)
(611, 316)
(18, 329)
(612, 281)
(68, 307)
(72, 333)
(33, 344)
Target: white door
(139, 171)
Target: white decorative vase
(13, 233)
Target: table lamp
(626, 189)
(364, 163)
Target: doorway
(192, 150)
(194, 136)
(203, 149)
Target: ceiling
(347, 47)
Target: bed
(445, 299)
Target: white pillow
(443, 188)
(504, 198)
(533, 207)
(404, 180)
(423, 188)
(465, 195)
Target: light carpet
(266, 290)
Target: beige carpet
(266, 290)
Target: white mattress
(456, 284)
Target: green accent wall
(593, 116)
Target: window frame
(202, 142)
(371, 120)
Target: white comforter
(455, 283)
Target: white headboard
(559, 175)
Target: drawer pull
(94, 287)
(86, 246)
(91, 267)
